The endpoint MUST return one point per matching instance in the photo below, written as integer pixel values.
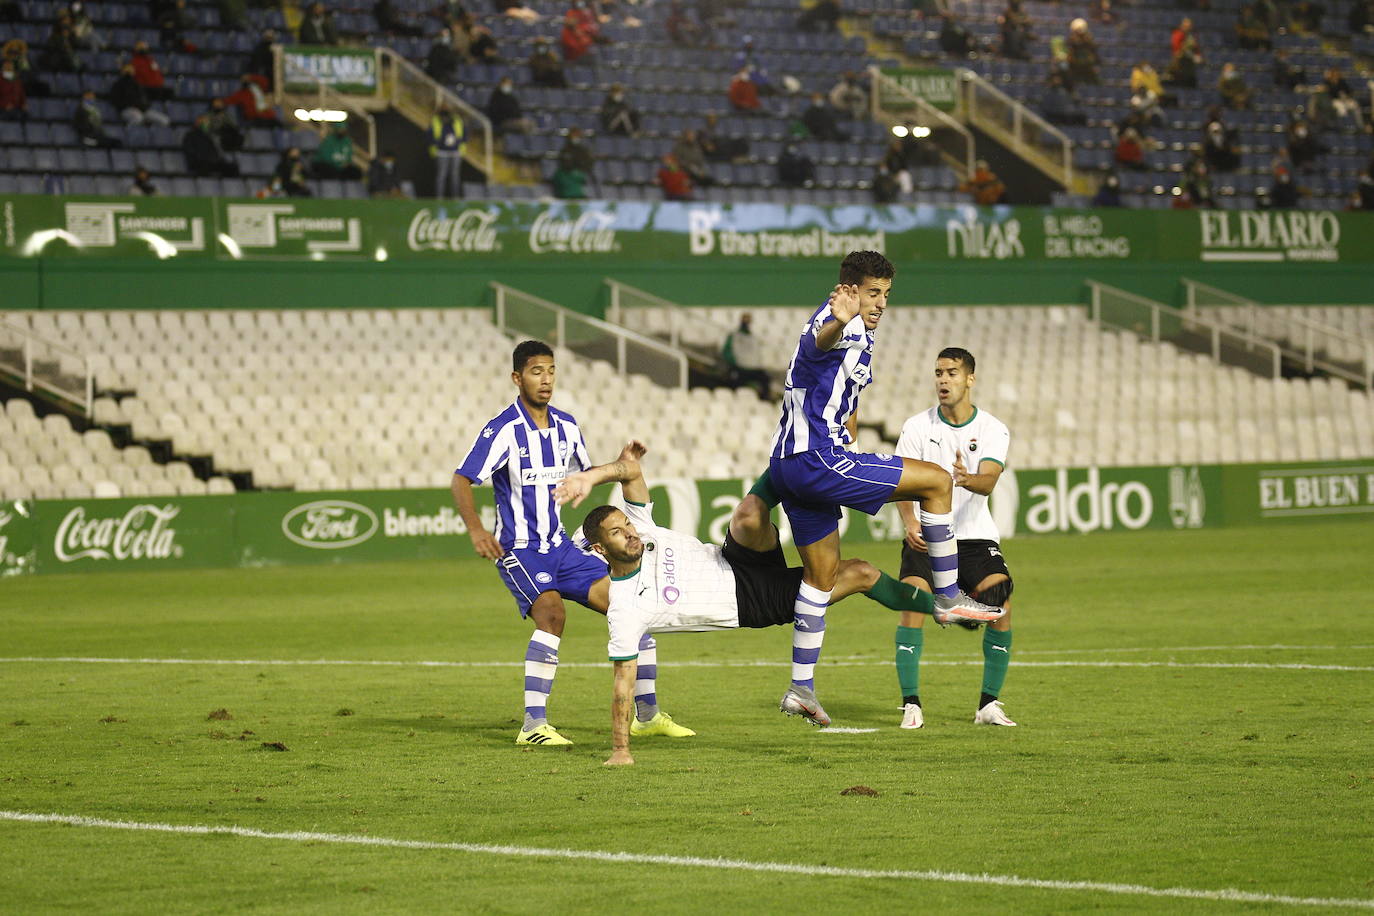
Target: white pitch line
(837, 730)
(688, 663)
(806, 871)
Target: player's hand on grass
(619, 758)
(914, 540)
(844, 303)
(573, 489)
(487, 547)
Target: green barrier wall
(256, 529)
(66, 252)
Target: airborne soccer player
(666, 581)
(958, 436)
(526, 450)
(814, 472)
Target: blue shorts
(814, 485)
(564, 569)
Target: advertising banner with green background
(69, 252)
(347, 70)
(933, 84)
(275, 528)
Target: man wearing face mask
(14, 102)
(504, 109)
(617, 116)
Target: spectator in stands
(795, 168)
(820, 121)
(149, 73)
(1083, 56)
(173, 25)
(1145, 78)
(955, 40)
(1198, 186)
(1179, 36)
(747, 57)
(985, 186)
(1220, 146)
(514, 9)
(333, 158)
(545, 67)
(1361, 17)
(569, 184)
(447, 142)
(480, 42)
(1252, 31)
(16, 53)
(255, 108)
(894, 164)
(290, 171)
(142, 185)
(580, 31)
(1342, 99)
(1187, 56)
(886, 188)
(1306, 17)
(84, 34)
(1231, 85)
(1283, 194)
(1059, 62)
(382, 178)
(224, 127)
(718, 148)
(504, 109)
(617, 115)
(270, 191)
(689, 155)
(1130, 150)
(1016, 32)
(576, 165)
(742, 354)
(204, 156)
(317, 27)
(131, 100)
(1101, 12)
(260, 60)
(673, 179)
(14, 98)
(1108, 192)
(683, 30)
(391, 21)
(849, 97)
(822, 16)
(442, 61)
(744, 93)
(234, 14)
(90, 124)
(59, 54)
(1059, 105)
(1286, 75)
(927, 9)
(1364, 191)
(1303, 146)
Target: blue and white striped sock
(943, 550)
(646, 700)
(808, 632)
(541, 663)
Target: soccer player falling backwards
(815, 473)
(526, 450)
(958, 436)
(667, 581)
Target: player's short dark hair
(591, 525)
(960, 354)
(527, 350)
(859, 265)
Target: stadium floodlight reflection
(35, 243)
(321, 114)
(161, 247)
(230, 246)
(901, 132)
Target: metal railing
(1015, 126)
(653, 316)
(1313, 345)
(415, 95)
(44, 365)
(1158, 322)
(893, 104)
(519, 313)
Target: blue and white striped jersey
(524, 464)
(823, 387)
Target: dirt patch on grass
(220, 715)
(278, 746)
(860, 790)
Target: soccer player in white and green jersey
(972, 445)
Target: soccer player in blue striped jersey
(525, 451)
(815, 473)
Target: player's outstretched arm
(487, 547)
(844, 305)
(625, 470)
(622, 706)
(982, 482)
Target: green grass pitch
(1170, 737)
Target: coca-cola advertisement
(108, 534)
